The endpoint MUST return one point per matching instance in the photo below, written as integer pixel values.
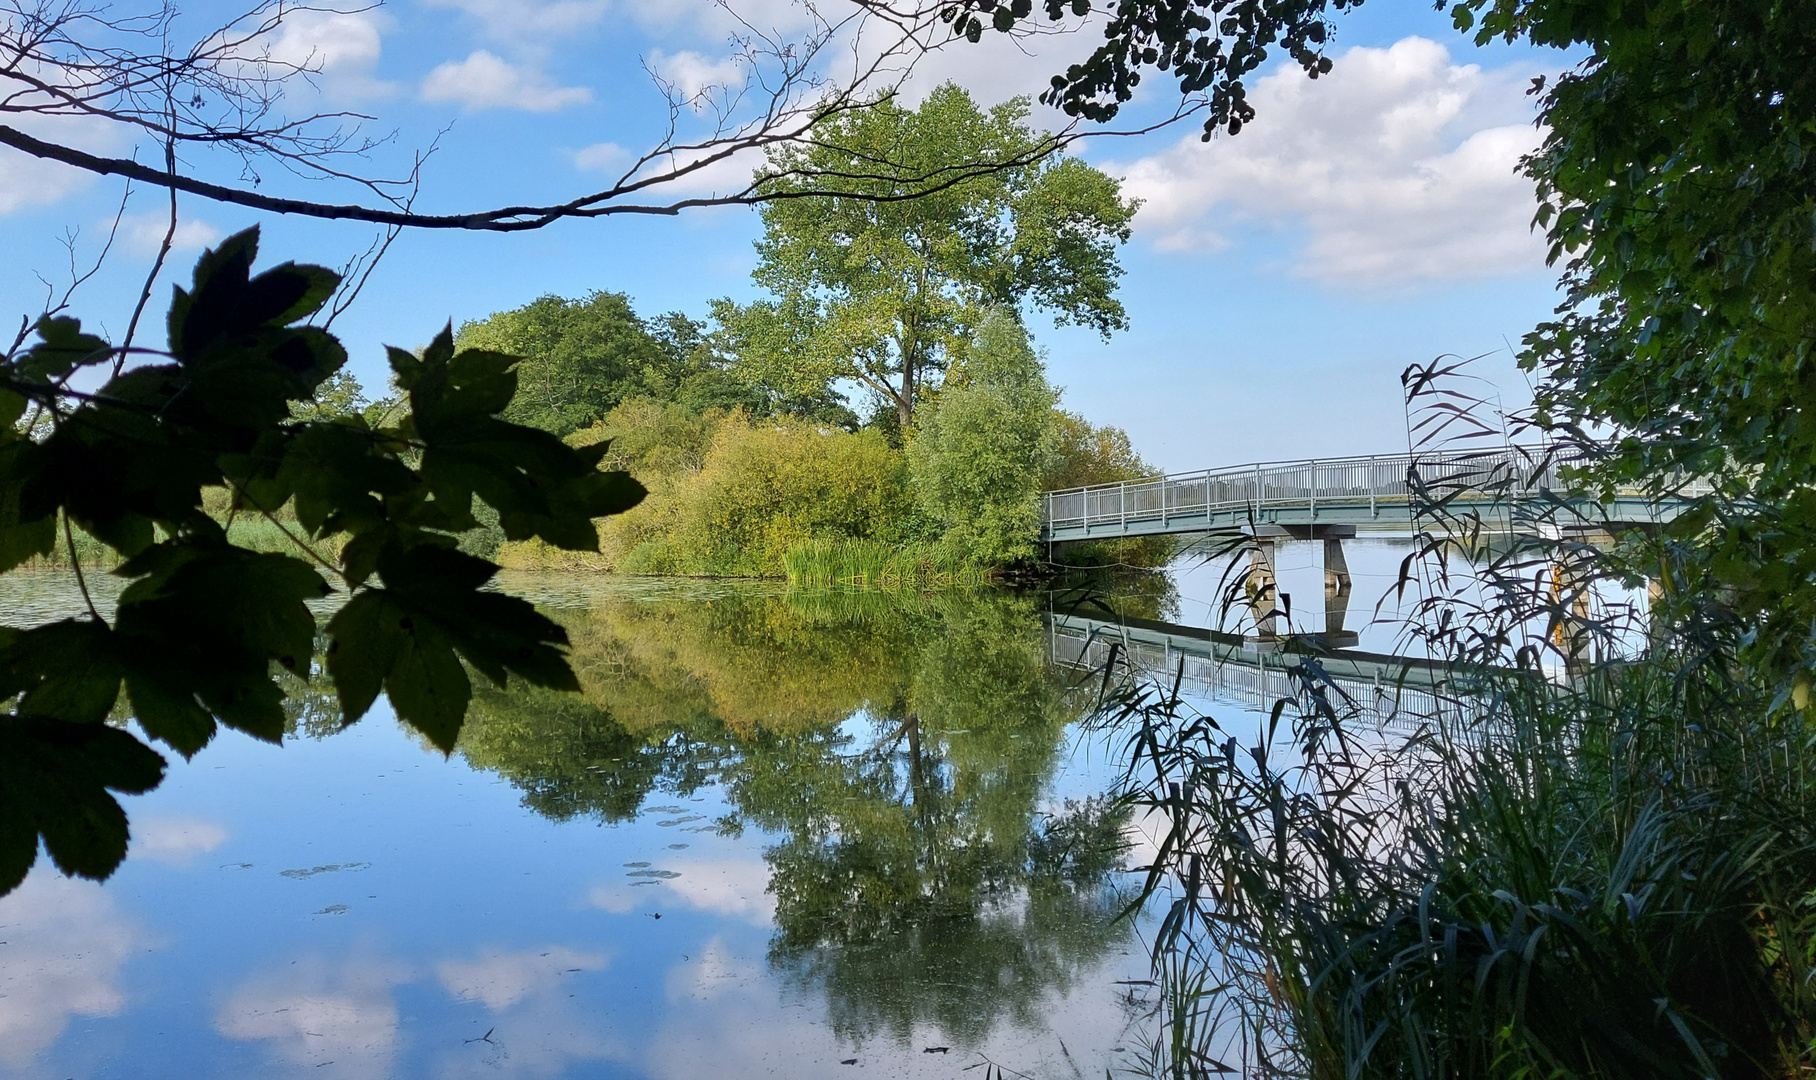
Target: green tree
(897, 749)
(882, 290)
(339, 395)
(202, 626)
(986, 445)
(1092, 454)
(582, 357)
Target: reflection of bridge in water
(1391, 691)
(1514, 490)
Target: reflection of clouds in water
(614, 899)
(728, 1019)
(734, 887)
(713, 973)
(737, 887)
(337, 1018)
(501, 980)
(65, 946)
(533, 1028)
(175, 840)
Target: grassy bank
(251, 532)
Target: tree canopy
(582, 357)
(884, 290)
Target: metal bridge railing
(1371, 479)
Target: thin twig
(288, 535)
(157, 264)
(75, 562)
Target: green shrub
(986, 444)
(730, 496)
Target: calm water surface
(776, 836)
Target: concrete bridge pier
(1272, 609)
(1261, 589)
(1336, 586)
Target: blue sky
(1277, 283)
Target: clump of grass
(876, 565)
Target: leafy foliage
(730, 495)
(897, 750)
(885, 290)
(987, 443)
(199, 627)
(1675, 184)
(1208, 51)
(580, 358)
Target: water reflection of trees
(899, 748)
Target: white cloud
(999, 66)
(26, 181)
(1398, 166)
(616, 901)
(173, 840)
(737, 887)
(341, 48)
(602, 157)
(710, 20)
(692, 75)
(726, 176)
(501, 980)
(716, 971)
(66, 944)
(529, 23)
(318, 1014)
(485, 81)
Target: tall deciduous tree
(876, 288)
(580, 357)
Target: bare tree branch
(76, 58)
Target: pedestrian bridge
(1327, 497)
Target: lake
(779, 834)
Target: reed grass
(1596, 860)
(870, 564)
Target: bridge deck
(1371, 491)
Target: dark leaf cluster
(1210, 46)
(204, 627)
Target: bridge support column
(1261, 589)
(1336, 586)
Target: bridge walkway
(1324, 497)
